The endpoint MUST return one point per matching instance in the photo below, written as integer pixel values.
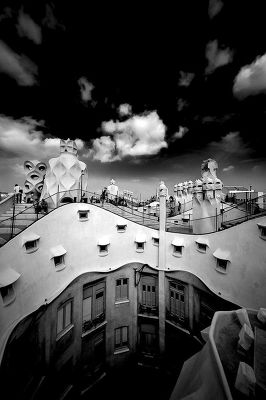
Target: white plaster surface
(40, 282)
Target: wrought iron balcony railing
(93, 323)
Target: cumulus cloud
(18, 67)
(215, 7)
(185, 78)
(86, 88)
(217, 57)
(125, 109)
(28, 28)
(229, 168)
(251, 79)
(140, 135)
(179, 134)
(231, 147)
(22, 139)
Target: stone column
(161, 266)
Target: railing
(219, 221)
(18, 221)
(149, 311)
(6, 202)
(93, 323)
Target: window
(148, 339)
(178, 244)
(31, 245)
(177, 300)
(148, 292)
(64, 316)
(121, 227)
(140, 246)
(58, 260)
(148, 296)
(83, 215)
(221, 264)
(30, 242)
(93, 309)
(121, 337)
(202, 247)
(140, 240)
(177, 250)
(103, 249)
(8, 294)
(58, 256)
(103, 246)
(222, 259)
(121, 289)
(155, 241)
(202, 243)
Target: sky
(148, 91)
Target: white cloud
(185, 78)
(86, 88)
(215, 7)
(18, 67)
(229, 168)
(217, 57)
(20, 139)
(125, 109)
(179, 134)
(229, 150)
(28, 28)
(251, 79)
(103, 149)
(140, 135)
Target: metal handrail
(145, 218)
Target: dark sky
(193, 72)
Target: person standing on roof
(18, 193)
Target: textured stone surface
(35, 174)
(66, 176)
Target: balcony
(149, 311)
(93, 323)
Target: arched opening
(66, 200)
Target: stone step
(23, 217)
(26, 211)
(7, 230)
(20, 222)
